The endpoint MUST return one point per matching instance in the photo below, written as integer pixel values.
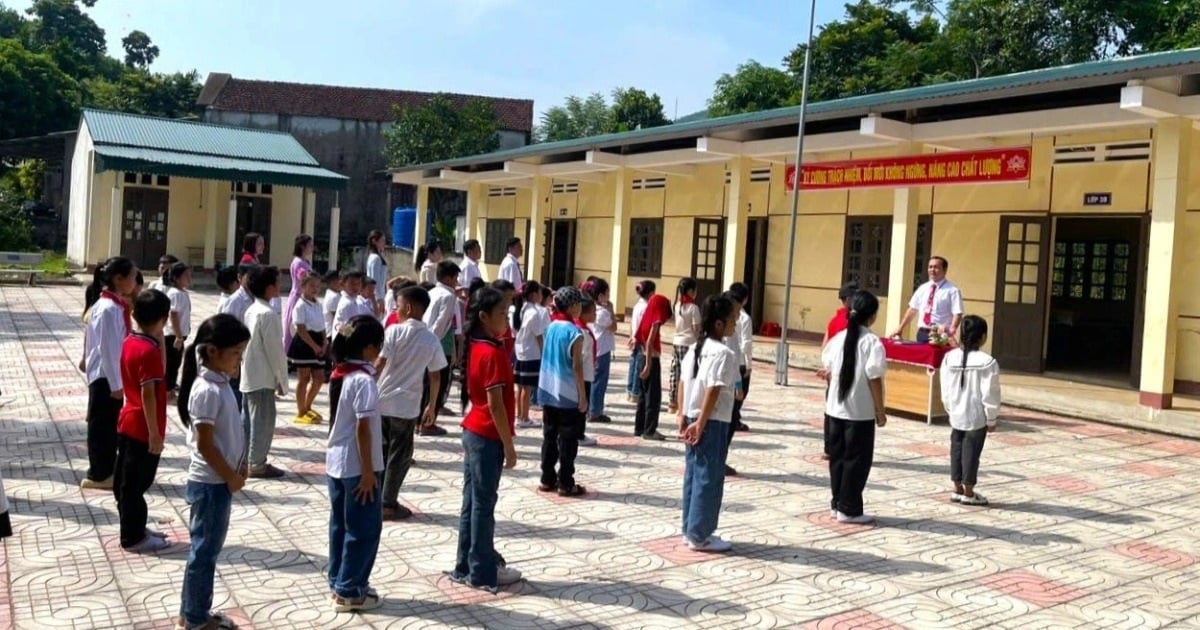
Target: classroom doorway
(144, 225)
(254, 215)
(558, 267)
(755, 272)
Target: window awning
(199, 166)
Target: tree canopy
(439, 130)
(753, 87)
(577, 117)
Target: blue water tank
(404, 227)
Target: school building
(1082, 264)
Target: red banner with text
(960, 167)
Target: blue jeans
(704, 481)
(482, 465)
(211, 504)
(599, 385)
(634, 386)
(354, 531)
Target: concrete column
(335, 226)
(209, 203)
(1168, 203)
(620, 240)
(533, 249)
(231, 245)
(904, 250)
(116, 217)
(421, 230)
(310, 212)
(476, 194)
(736, 223)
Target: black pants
(102, 412)
(852, 450)
(649, 404)
(174, 360)
(737, 404)
(561, 430)
(136, 468)
(443, 387)
(397, 456)
(587, 387)
(965, 449)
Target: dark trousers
(102, 412)
(443, 387)
(737, 404)
(477, 561)
(135, 472)
(587, 387)
(397, 456)
(852, 450)
(965, 449)
(649, 403)
(354, 532)
(174, 360)
(561, 430)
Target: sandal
(577, 491)
(542, 487)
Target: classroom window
(495, 239)
(924, 251)
(867, 249)
(645, 247)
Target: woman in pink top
(302, 253)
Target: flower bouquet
(938, 336)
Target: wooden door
(708, 236)
(755, 272)
(254, 215)
(1021, 276)
(144, 226)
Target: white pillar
(231, 248)
(475, 197)
(310, 211)
(335, 226)
(208, 203)
(736, 223)
(115, 218)
(533, 249)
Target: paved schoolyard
(1091, 526)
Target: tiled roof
(331, 101)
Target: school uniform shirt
(556, 382)
(837, 323)
(276, 305)
(347, 309)
(510, 270)
(971, 394)
(181, 304)
(745, 334)
(532, 326)
(687, 324)
(264, 365)
(658, 312)
(329, 307)
(870, 364)
(488, 368)
(238, 303)
(359, 400)
(635, 317)
(212, 402)
(606, 341)
(157, 285)
(947, 302)
(309, 315)
(443, 304)
(389, 303)
(377, 271)
(107, 327)
(223, 301)
(468, 272)
(411, 351)
(718, 368)
(427, 272)
(589, 356)
(141, 364)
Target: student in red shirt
(142, 425)
(648, 338)
(487, 443)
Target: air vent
(728, 178)
(1111, 152)
(650, 183)
(565, 188)
(762, 174)
(502, 192)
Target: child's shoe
(974, 499)
(861, 519)
(306, 418)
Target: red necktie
(929, 306)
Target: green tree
(62, 30)
(11, 23)
(441, 130)
(753, 87)
(140, 52)
(576, 118)
(16, 233)
(633, 108)
(141, 92)
(35, 96)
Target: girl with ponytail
(971, 395)
(687, 324)
(528, 327)
(426, 261)
(603, 328)
(855, 360)
(705, 404)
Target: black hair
(716, 308)
(588, 304)
(104, 277)
(250, 243)
(686, 285)
(400, 285)
(414, 295)
(373, 236)
(471, 244)
(302, 241)
(447, 269)
(167, 259)
(332, 275)
(945, 263)
(847, 291)
(359, 333)
(863, 306)
(423, 253)
(428, 286)
(594, 287)
(311, 275)
(244, 269)
(476, 284)
(484, 300)
(174, 273)
(369, 281)
(527, 289)
(645, 289)
(226, 277)
(740, 292)
(353, 275)
(140, 280)
(150, 307)
(215, 333)
(511, 243)
(971, 332)
(262, 277)
(546, 292)
(502, 285)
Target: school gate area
(1081, 265)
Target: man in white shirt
(443, 322)
(239, 300)
(936, 303)
(510, 269)
(470, 266)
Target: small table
(912, 384)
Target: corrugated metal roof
(1087, 74)
(158, 162)
(147, 132)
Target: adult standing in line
(377, 270)
(510, 268)
(470, 265)
(426, 261)
(253, 246)
(302, 252)
(936, 303)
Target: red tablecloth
(915, 353)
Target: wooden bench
(21, 264)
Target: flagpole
(782, 354)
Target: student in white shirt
(443, 321)
(410, 353)
(854, 407)
(239, 300)
(587, 317)
(349, 305)
(971, 395)
(705, 403)
(308, 349)
(107, 326)
(743, 338)
(164, 265)
(377, 269)
(687, 328)
(470, 264)
(426, 260)
(606, 344)
(333, 295)
(179, 324)
(227, 282)
(264, 370)
(528, 328)
(645, 289)
(510, 269)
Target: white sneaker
(714, 544)
(975, 499)
(507, 575)
(861, 519)
(833, 513)
(587, 440)
(956, 497)
(527, 424)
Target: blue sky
(544, 50)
